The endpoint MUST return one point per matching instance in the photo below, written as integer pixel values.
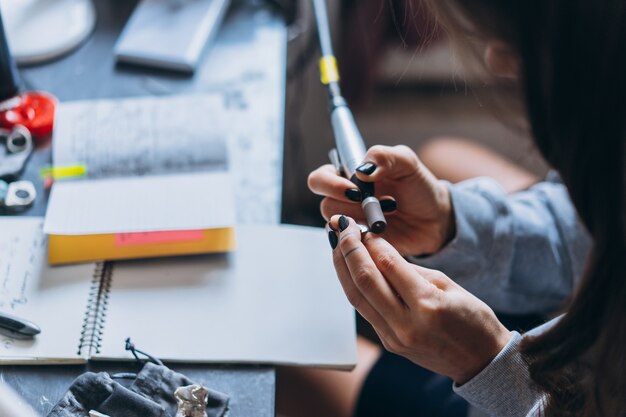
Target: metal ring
(19, 139)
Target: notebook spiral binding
(97, 304)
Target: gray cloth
(521, 253)
(504, 387)
(150, 394)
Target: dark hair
(572, 60)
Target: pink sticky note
(151, 238)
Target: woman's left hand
(418, 313)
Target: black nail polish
(343, 223)
(366, 168)
(332, 238)
(388, 205)
(354, 194)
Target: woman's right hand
(421, 222)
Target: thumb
(388, 162)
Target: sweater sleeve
(504, 387)
(520, 253)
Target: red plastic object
(33, 110)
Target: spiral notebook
(259, 304)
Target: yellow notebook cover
(63, 249)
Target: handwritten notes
(142, 136)
(52, 298)
(22, 247)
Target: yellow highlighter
(63, 172)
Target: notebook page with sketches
(53, 298)
(274, 300)
(153, 164)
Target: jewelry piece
(191, 400)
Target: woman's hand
(419, 213)
(418, 313)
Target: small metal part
(16, 146)
(333, 155)
(19, 140)
(374, 215)
(94, 413)
(19, 196)
(191, 401)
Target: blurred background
(406, 85)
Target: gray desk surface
(246, 66)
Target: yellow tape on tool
(328, 70)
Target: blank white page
(276, 299)
(141, 204)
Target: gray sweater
(521, 254)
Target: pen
(17, 328)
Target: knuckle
(432, 314)
(349, 240)
(409, 338)
(320, 177)
(362, 278)
(328, 208)
(407, 154)
(438, 274)
(403, 149)
(386, 262)
(324, 209)
(312, 180)
(377, 150)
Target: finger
(436, 278)
(402, 276)
(325, 181)
(388, 204)
(329, 207)
(356, 298)
(389, 162)
(366, 277)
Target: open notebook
(157, 181)
(275, 300)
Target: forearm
(521, 253)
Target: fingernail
(354, 194)
(366, 168)
(332, 238)
(388, 205)
(343, 223)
